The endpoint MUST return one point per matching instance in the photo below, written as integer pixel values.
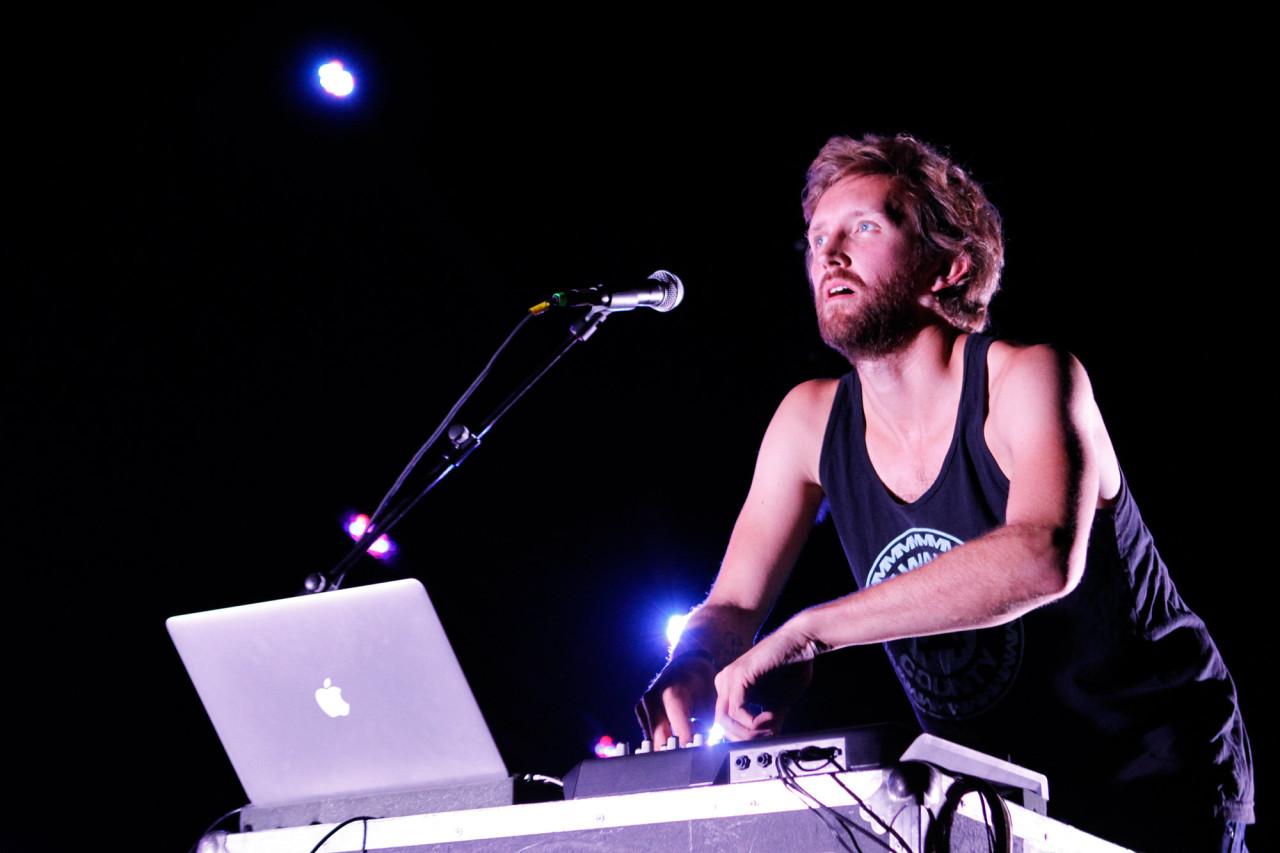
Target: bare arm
(766, 541)
(1044, 431)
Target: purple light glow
(382, 547)
(606, 748)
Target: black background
(235, 309)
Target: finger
(676, 703)
(729, 728)
(765, 724)
(734, 730)
(762, 725)
(779, 717)
(736, 704)
(734, 720)
(649, 713)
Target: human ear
(951, 273)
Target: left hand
(780, 666)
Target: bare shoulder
(1016, 370)
(810, 399)
(1041, 392)
(802, 415)
(795, 435)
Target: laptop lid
(347, 692)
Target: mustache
(842, 275)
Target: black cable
(843, 826)
(546, 780)
(374, 528)
(400, 510)
(213, 826)
(827, 755)
(898, 814)
(888, 828)
(444, 424)
(987, 823)
(999, 835)
(364, 841)
(786, 773)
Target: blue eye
(866, 226)
(819, 242)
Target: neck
(912, 386)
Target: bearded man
(998, 553)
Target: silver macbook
(337, 694)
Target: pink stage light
(382, 547)
(606, 748)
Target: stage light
(382, 547)
(336, 80)
(606, 748)
(715, 735)
(675, 626)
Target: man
(998, 553)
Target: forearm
(988, 581)
(723, 631)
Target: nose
(832, 253)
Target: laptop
(338, 694)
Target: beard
(886, 321)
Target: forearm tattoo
(731, 648)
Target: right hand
(681, 701)
(768, 678)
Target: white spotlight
(336, 80)
(675, 626)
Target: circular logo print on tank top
(947, 676)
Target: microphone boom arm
(465, 443)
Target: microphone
(664, 293)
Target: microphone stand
(464, 444)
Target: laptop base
(451, 798)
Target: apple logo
(330, 700)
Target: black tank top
(1081, 689)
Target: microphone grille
(674, 288)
